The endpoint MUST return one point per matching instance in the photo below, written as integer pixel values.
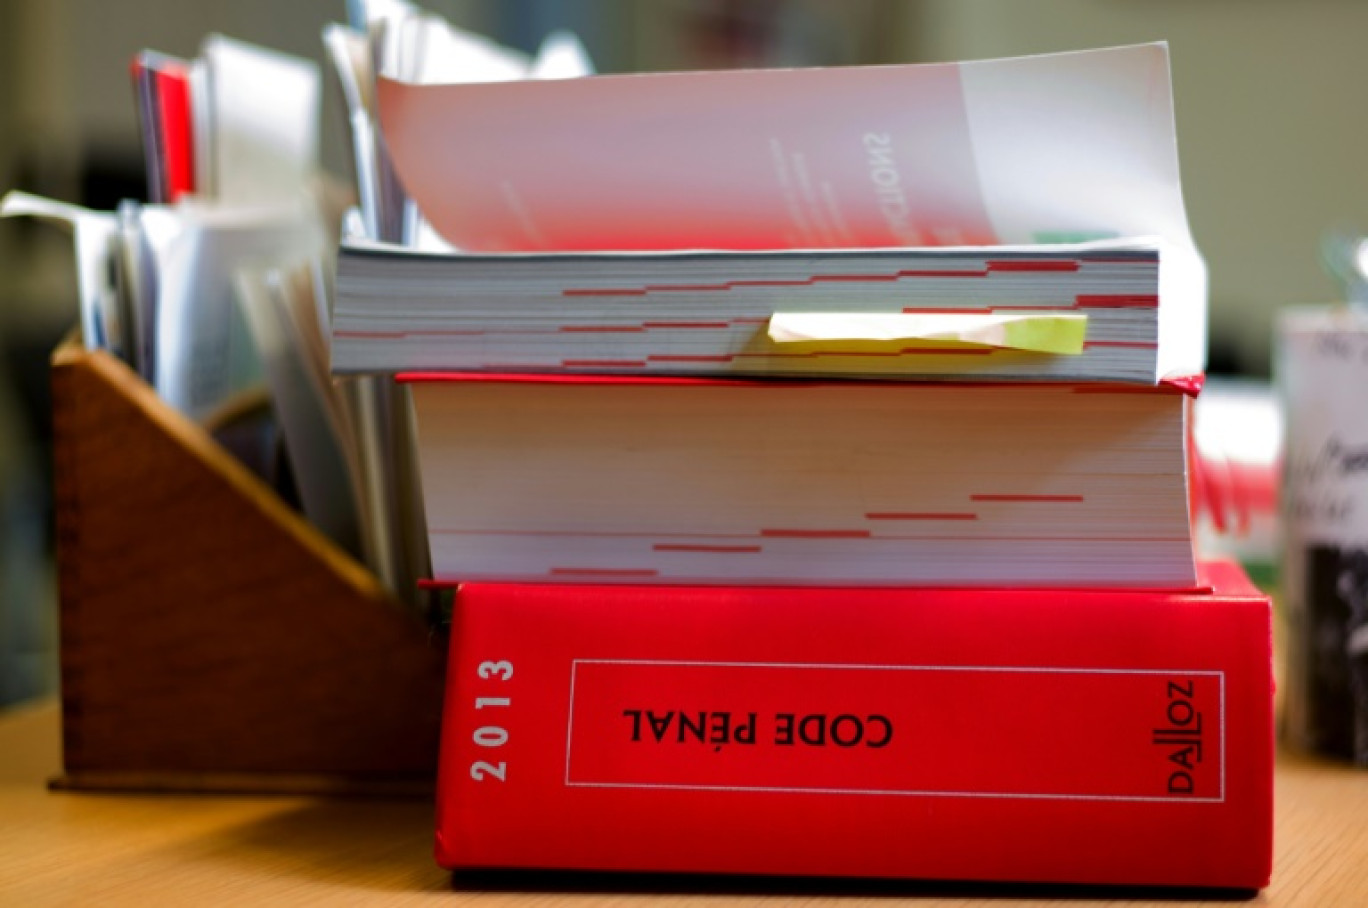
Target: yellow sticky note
(1035, 332)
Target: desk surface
(65, 848)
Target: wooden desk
(63, 848)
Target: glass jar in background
(1321, 373)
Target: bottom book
(1095, 737)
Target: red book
(1078, 736)
(176, 118)
(162, 84)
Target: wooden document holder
(211, 639)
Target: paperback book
(727, 312)
(590, 479)
(678, 222)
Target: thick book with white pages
(723, 312)
(589, 479)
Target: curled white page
(1070, 146)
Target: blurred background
(1267, 97)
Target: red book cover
(173, 94)
(1078, 736)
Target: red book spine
(1052, 736)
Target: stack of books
(794, 549)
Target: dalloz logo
(1182, 736)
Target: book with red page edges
(1069, 736)
(673, 480)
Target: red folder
(1055, 736)
(178, 142)
(164, 106)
